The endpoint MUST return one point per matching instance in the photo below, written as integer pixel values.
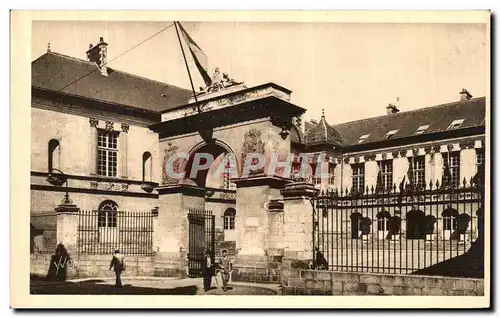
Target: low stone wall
(84, 266)
(314, 282)
(256, 269)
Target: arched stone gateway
(228, 128)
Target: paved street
(149, 286)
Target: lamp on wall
(284, 132)
(59, 180)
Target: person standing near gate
(118, 265)
(225, 265)
(207, 275)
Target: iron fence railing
(399, 230)
(101, 232)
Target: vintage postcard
(322, 158)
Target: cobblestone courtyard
(148, 286)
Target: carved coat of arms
(167, 177)
(252, 144)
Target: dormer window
(421, 129)
(455, 124)
(363, 138)
(391, 133)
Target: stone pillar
(171, 236)
(93, 146)
(298, 229)
(252, 225)
(297, 218)
(123, 151)
(67, 239)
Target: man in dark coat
(118, 265)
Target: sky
(351, 70)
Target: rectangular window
(107, 153)
(358, 178)
(480, 162)
(418, 171)
(386, 173)
(331, 174)
(451, 169)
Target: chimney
(465, 95)
(392, 109)
(99, 55)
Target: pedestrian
(225, 265)
(208, 271)
(118, 265)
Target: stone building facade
(111, 135)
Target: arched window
(147, 166)
(229, 217)
(415, 225)
(449, 222)
(383, 218)
(107, 214)
(54, 155)
(356, 225)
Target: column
(94, 123)
(66, 255)
(253, 196)
(298, 230)
(124, 151)
(171, 233)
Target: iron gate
(201, 238)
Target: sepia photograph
(189, 155)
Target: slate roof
(406, 123)
(53, 71)
(323, 134)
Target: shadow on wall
(58, 264)
(470, 264)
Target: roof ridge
(412, 111)
(114, 70)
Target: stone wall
(315, 282)
(84, 266)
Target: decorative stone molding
(356, 159)
(109, 125)
(395, 154)
(450, 147)
(370, 157)
(125, 128)
(384, 156)
(93, 122)
(346, 160)
(467, 144)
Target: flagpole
(185, 61)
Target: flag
(199, 57)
